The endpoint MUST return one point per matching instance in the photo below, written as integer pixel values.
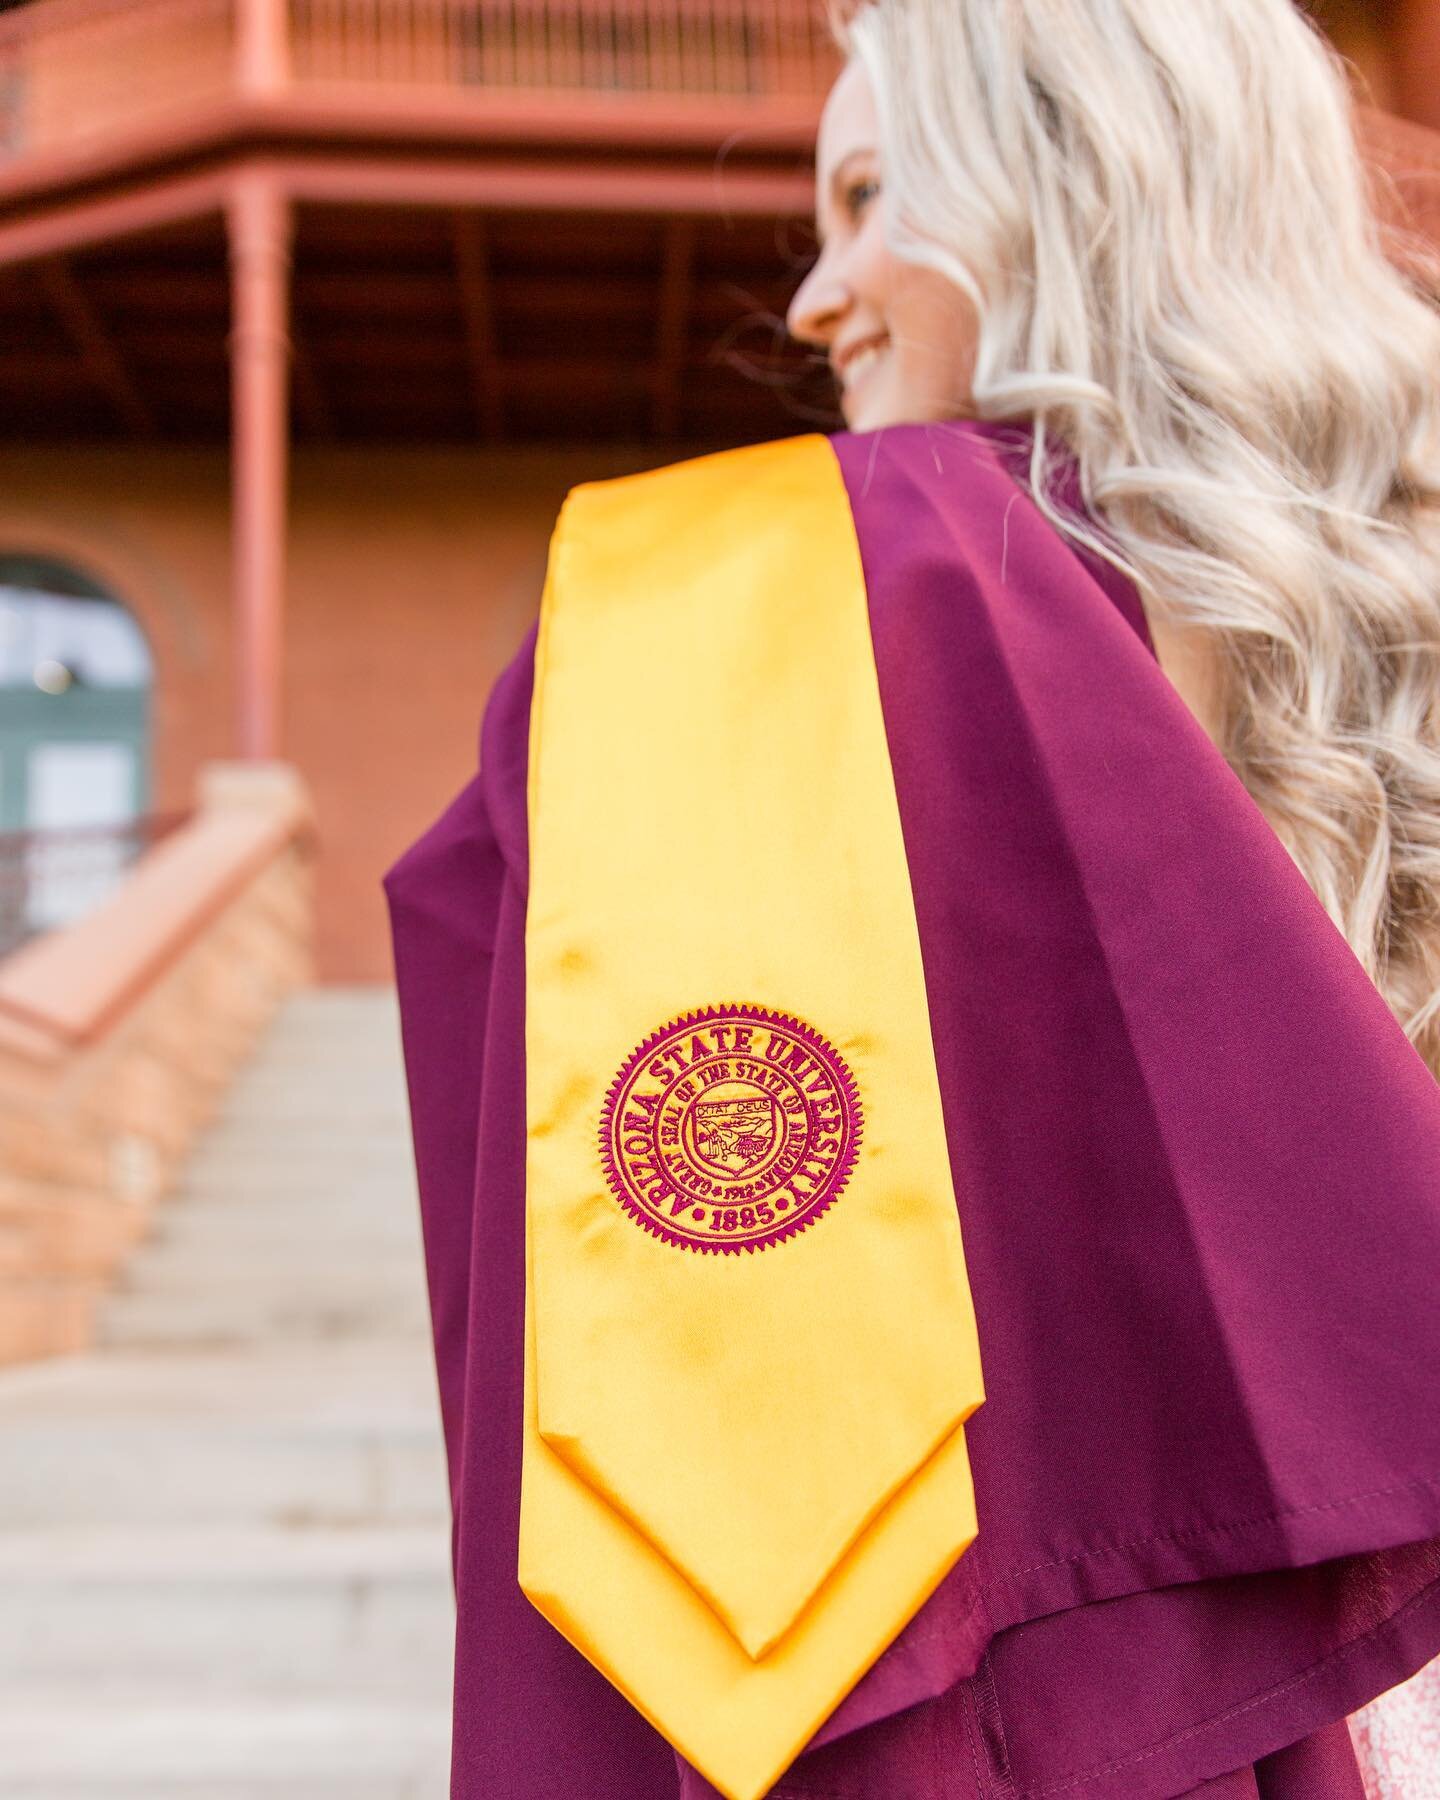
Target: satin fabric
(1201, 1242)
(744, 1466)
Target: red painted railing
(761, 47)
(72, 69)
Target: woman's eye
(859, 195)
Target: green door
(75, 677)
(72, 759)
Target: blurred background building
(310, 311)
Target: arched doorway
(75, 682)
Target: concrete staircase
(224, 1533)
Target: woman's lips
(856, 362)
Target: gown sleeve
(444, 898)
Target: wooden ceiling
(426, 325)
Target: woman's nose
(818, 305)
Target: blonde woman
(1019, 811)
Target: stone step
(341, 1000)
(329, 1278)
(337, 1262)
(359, 1136)
(284, 1233)
(255, 1145)
(225, 1438)
(299, 1096)
(129, 1745)
(365, 1187)
(295, 1192)
(363, 1193)
(371, 1380)
(364, 1190)
(365, 1197)
(214, 1321)
(286, 1084)
(262, 1786)
(377, 1066)
(340, 1004)
(321, 1051)
(371, 1030)
(365, 1043)
(363, 1132)
(133, 1472)
(378, 1075)
(208, 1613)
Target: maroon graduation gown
(1198, 1169)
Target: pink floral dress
(1397, 1740)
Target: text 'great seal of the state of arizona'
(730, 1128)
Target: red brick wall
(413, 576)
(1417, 79)
(1395, 50)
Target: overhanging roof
(539, 219)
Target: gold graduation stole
(750, 1346)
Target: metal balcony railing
(72, 70)
(676, 47)
(49, 878)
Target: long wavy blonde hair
(1160, 213)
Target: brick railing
(72, 70)
(120, 1032)
(53, 875)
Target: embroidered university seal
(730, 1128)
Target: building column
(1417, 61)
(262, 45)
(260, 226)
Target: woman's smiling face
(900, 339)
